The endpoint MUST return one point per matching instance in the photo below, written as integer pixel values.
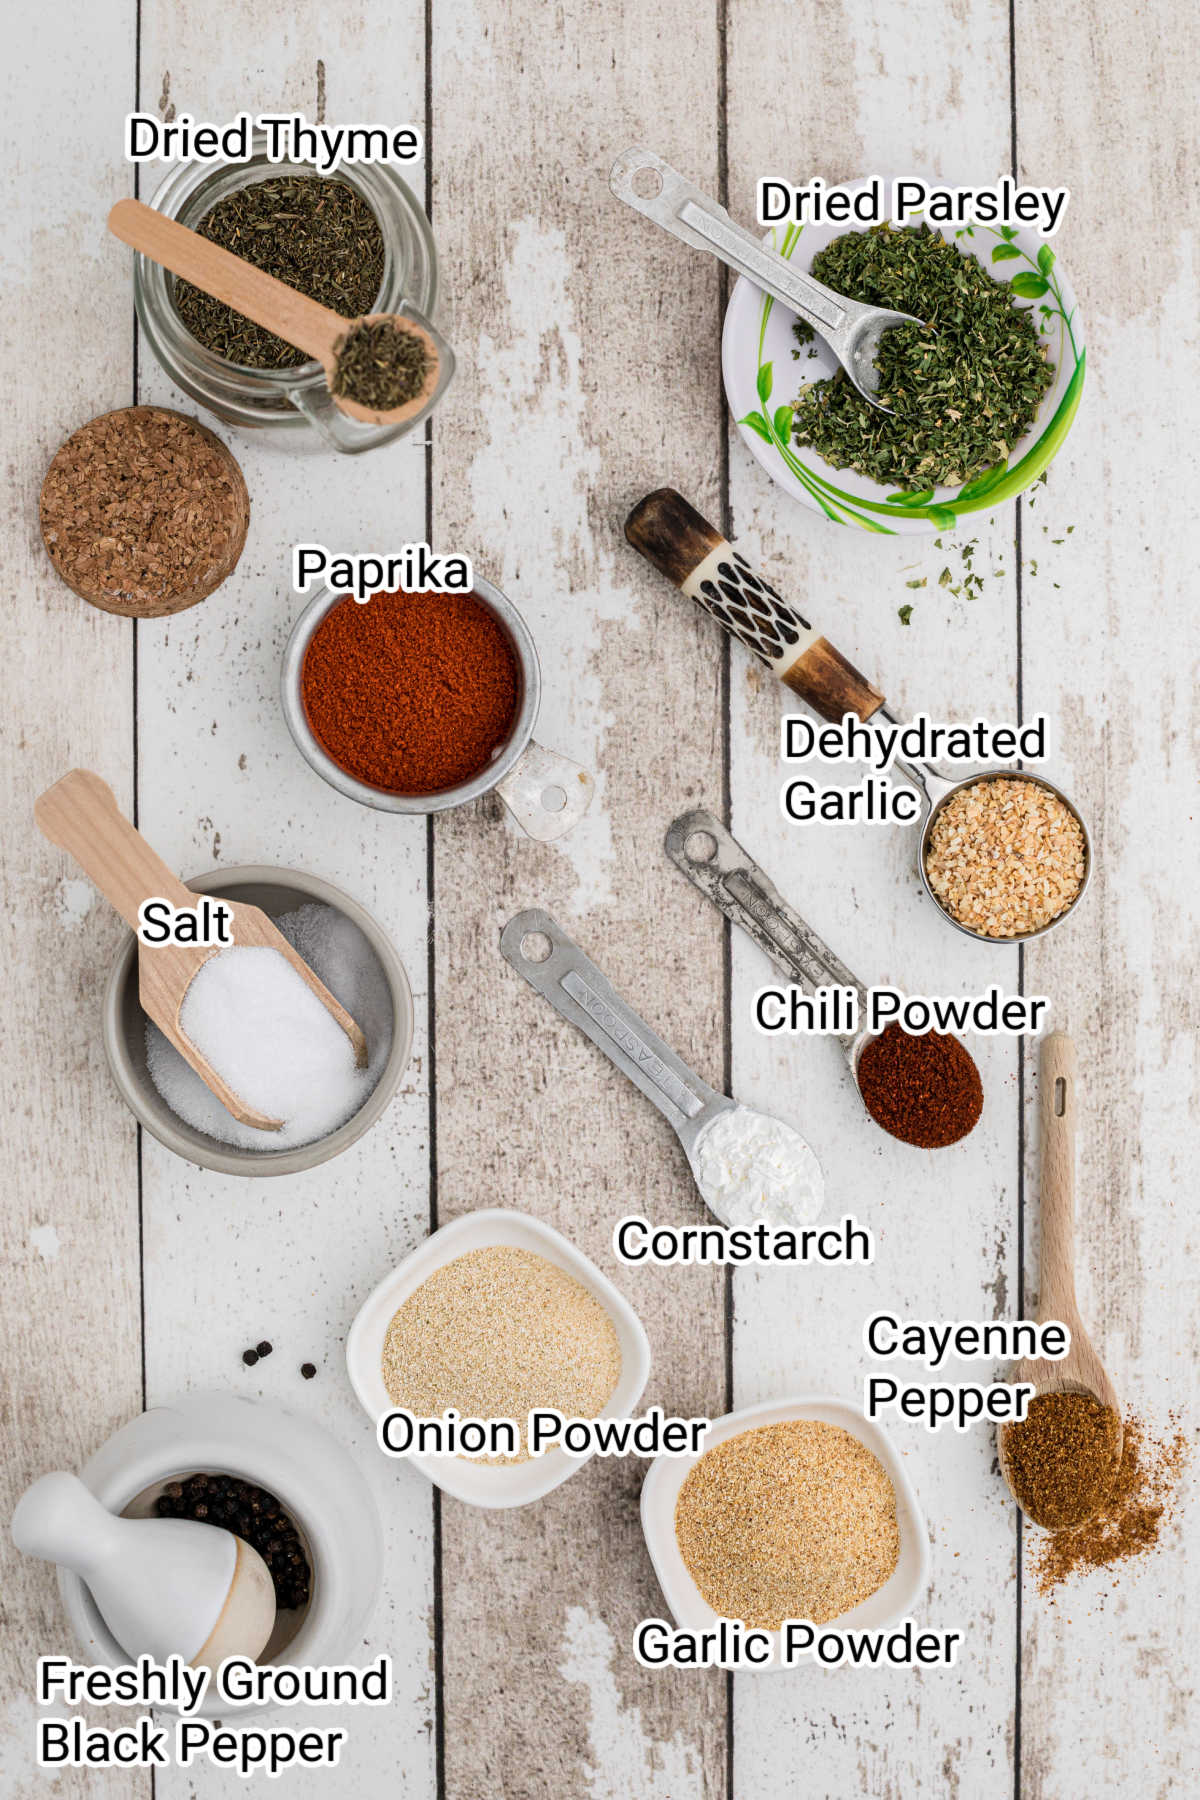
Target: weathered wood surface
(69, 1312)
(297, 1255)
(588, 374)
(547, 438)
(1111, 654)
(944, 1221)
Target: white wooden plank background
(588, 348)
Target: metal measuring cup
(689, 551)
(547, 794)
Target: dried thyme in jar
(318, 235)
(1063, 1458)
(962, 395)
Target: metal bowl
(276, 891)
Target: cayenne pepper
(1063, 1457)
(924, 1089)
(412, 693)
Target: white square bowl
(667, 1474)
(490, 1484)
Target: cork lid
(144, 512)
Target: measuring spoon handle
(1057, 1085)
(252, 292)
(575, 988)
(669, 532)
(694, 217)
(735, 884)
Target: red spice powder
(412, 693)
(925, 1090)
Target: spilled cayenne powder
(1131, 1521)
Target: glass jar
(290, 402)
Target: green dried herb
(319, 236)
(961, 399)
(905, 614)
(380, 365)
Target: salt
(753, 1168)
(268, 1035)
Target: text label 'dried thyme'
(960, 399)
(319, 236)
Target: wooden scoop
(313, 328)
(80, 815)
(1080, 1371)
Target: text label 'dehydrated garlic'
(789, 1521)
(496, 1334)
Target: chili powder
(924, 1089)
(412, 693)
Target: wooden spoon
(80, 815)
(1080, 1371)
(291, 315)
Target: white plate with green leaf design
(763, 377)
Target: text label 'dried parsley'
(960, 399)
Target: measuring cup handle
(575, 988)
(684, 547)
(547, 794)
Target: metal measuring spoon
(714, 861)
(539, 949)
(693, 554)
(851, 329)
(1080, 1371)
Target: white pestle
(164, 1587)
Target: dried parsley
(319, 236)
(961, 399)
(380, 365)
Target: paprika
(411, 693)
(924, 1089)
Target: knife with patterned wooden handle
(689, 551)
